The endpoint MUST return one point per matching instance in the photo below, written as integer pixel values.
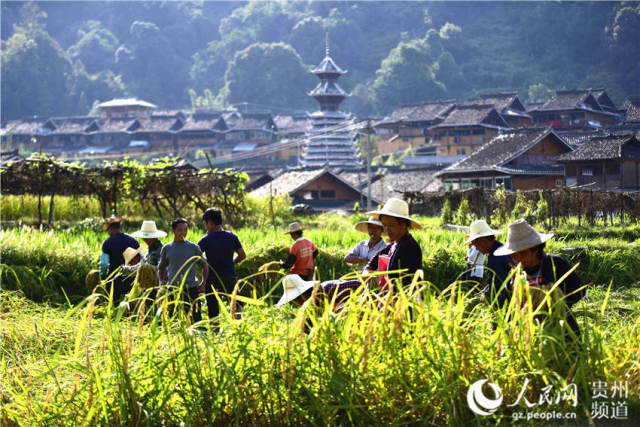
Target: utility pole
(368, 148)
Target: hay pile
(92, 280)
(146, 276)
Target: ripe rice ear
(147, 276)
(92, 279)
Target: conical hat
(397, 208)
(149, 231)
(480, 228)
(294, 286)
(521, 236)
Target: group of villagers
(395, 259)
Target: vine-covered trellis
(588, 206)
(167, 187)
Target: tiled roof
(160, 124)
(30, 126)
(633, 113)
(70, 125)
(126, 102)
(290, 124)
(426, 111)
(571, 99)
(328, 66)
(578, 138)
(599, 148)
(500, 150)
(500, 101)
(116, 125)
(474, 114)
(199, 122)
(328, 88)
(394, 184)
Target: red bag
(383, 265)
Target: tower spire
(326, 42)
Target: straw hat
(111, 220)
(149, 231)
(363, 226)
(129, 254)
(480, 228)
(294, 286)
(293, 227)
(397, 208)
(521, 236)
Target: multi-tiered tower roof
(331, 140)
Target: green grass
(408, 359)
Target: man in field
(177, 267)
(526, 247)
(219, 246)
(497, 267)
(301, 255)
(111, 258)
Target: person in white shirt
(367, 249)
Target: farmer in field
(219, 246)
(497, 267)
(403, 253)
(112, 256)
(301, 255)
(151, 236)
(367, 249)
(178, 260)
(526, 246)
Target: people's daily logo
(481, 404)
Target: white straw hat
(129, 254)
(363, 226)
(480, 228)
(396, 208)
(293, 227)
(521, 236)
(294, 286)
(149, 231)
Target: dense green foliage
(59, 58)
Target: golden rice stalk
(146, 276)
(92, 279)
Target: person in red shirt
(301, 255)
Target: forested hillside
(61, 57)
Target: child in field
(301, 255)
(177, 267)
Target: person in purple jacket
(223, 250)
(111, 258)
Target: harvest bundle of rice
(92, 280)
(147, 276)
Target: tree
(96, 49)
(271, 75)
(35, 75)
(539, 93)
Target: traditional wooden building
(508, 105)
(576, 110)
(202, 130)
(331, 141)
(465, 129)
(159, 132)
(320, 188)
(604, 100)
(71, 133)
(256, 128)
(126, 107)
(519, 159)
(408, 126)
(30, 130)
(605, 162)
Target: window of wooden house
(504, 181)
(456, 139)
(461, 151)
(486, 183)
(558, 182)
(587, 171)
(327, 194)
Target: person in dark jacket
(111, 258)
(404, 252)
(497, 267)
(526, 247)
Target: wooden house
(573, 110)
(519, 159)
(508, 105)
(126, 107)
(604, 162)
(202, 130)
(320, 188)
(465, 129)
(408, 126)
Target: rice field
(69, 357)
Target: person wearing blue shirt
(497, 268)
(223, 250)
(111, 257)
